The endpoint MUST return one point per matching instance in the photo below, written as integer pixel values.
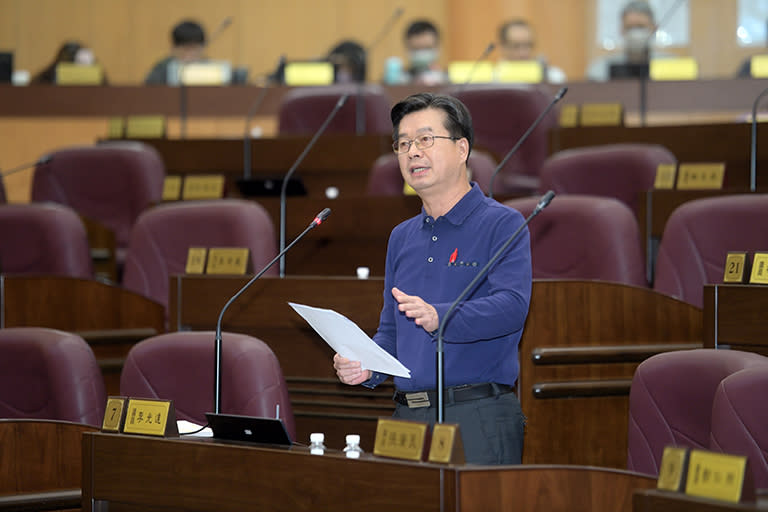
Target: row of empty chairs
(703, 399)
(52, 374)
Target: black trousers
(492, 428)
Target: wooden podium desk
(581, 344)
(137, 473)
(734, 317)
(111, 319)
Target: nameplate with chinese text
(602, 114)
(759, 268)
(196, 257)
(716, 476)
(446, 446)
(401, 439)
(151, 418)
(227, 260)
(704, 176)
(735, 265)
(203, 187)
(665, 176)
(674, 465)
(172, 188)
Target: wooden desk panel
(134, 473)
(734, 317)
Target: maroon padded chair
(384, 178)
(43, 239)
(163, 235)
(109, 183)
(303, 109)
(740, 420)
(621, 171)
(49, 374)
(501, 114)
(671, 401)
(698, 236)
(584, 237)
(179, 366)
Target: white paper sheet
(348, 339)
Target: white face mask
(422, 59)
(637, 41)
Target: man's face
(518, 44)
(435, 169)
(636, 20)
(188, 52)
(423, 50)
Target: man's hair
(188, 32)
(419, 27)
(638, 6)
(458, 121)
(516, 22)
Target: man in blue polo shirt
(431, 258)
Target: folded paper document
(349, 340)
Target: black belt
(463, 393)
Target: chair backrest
(49, 374)
(110, 183)
(162, 236)
(385, 179)
(584, 237)
(43, 239)
(303, 109)
(671, 400)
(180, 366)
(698, 236)
(501, 114)
(621, 171)
(740, 420)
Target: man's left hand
(414, 307)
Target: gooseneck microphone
(471, 74)
(525, 136)
(543, 202)
(286, 179)
(28, 165)
(247, 133)
(753, 144)
(319, 219)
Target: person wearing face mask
(69, 52)
(516, 42)
(348, 59)
(422, 42)
(638, 28)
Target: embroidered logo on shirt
(452, 260)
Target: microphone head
(320, 217)
(44, 159)
(342, 100)
(398, 12)
(545, 200)
(561, 93)
(491, 46)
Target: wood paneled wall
(128, 36)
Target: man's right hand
(350, 372)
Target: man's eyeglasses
(422, 142)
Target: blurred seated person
(348, 59)
(69, 52)
(516, 42)
(638, 29)
(188, 45)
(422, 42)
(745, 69)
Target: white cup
(20, 77)
(331, 192)
(363, 272)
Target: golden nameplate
(735, 267)
(308, 73)
(705, 176)
(227, 260)
(196, 257)
(114, 414)
(145, 127)
(116, 128)
(759, 66)
(520, 72)
(665, 176)
(447, 446)
(718, 476)
(569, 116)
(673, 68)
(70, 73)
(759, 273)
(476, 72)
(172, 188)
(203, 187)
(674, 467)
(401, 439)
(602, 114)
(150, 418)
